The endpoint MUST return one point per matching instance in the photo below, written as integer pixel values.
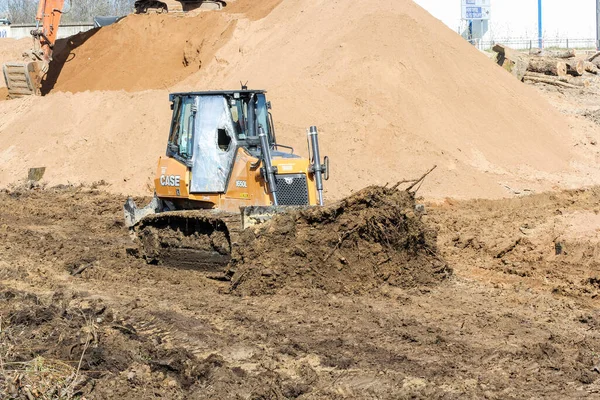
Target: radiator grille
(292, 190)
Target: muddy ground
(517, 318)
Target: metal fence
(526, 44)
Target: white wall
(22, 31)
(517, 19)
(4, 31)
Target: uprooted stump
(371, 238)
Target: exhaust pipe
(316, 167)
(269, 170)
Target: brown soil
(253, 10)
(139, 52)
(351, 301)
(554, 238)
(143, 52)
(392, 90)
(515, 320)
(117, 131)
(356, 245)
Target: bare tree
(23, 11)
(86, 10)
(122, 7)
(4, 10)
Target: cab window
(248, 113)
(239, 113)
(182, 128)
(262, 115)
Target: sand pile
(146, 51)
(92, 136)
(371, 238)
(393, 91)
(139, 52)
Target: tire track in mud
(486, 332)
(552, 238)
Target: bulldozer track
(195, 239)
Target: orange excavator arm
(48, 16)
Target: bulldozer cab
(222, 155)
(208, 128)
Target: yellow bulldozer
(223, 171)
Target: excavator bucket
(22, 78)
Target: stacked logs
(553, 67)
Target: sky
(517, 19)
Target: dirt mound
(89, 137)
(145, 51)
(521, 237)
(373, 237)
(395, 91)
(253, 10)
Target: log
(559, 53)
(547, 66)
(500, 48)
(575, 67)
(535, 51)
(593, 56)
(552, 53)
(590, 67)
(511, 60)
(566, 79)
(550, 81)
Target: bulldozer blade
(133, 214)
(36, 174)
(22, 78)
(254, 215)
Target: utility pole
(540, 23)
(597, 24)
